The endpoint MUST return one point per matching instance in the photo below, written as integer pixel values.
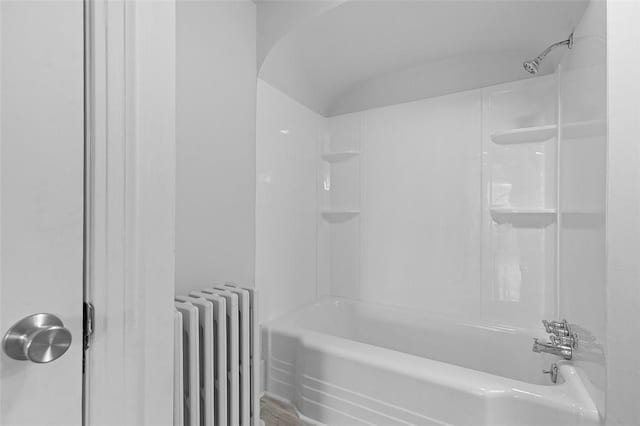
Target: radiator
(217, 358)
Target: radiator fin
(191, 364)
(178, 370)
(216, 371)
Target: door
(41, 209)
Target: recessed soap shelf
(525, 135)
(337, 216)
(584, 129)
(335, 157)
(573, 130)
(529, 218)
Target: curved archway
(356, 55)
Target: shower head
(532, 65)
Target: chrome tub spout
(564, 351)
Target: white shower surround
(411, 200)
(417, 241)
(427, 181)
(431, 233)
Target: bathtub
(342, 362)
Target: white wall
(277, 18)
(623, 213)
(582, 195)
(215, 138)
(421, 205)
(287, 143)
(420, 229)
(424, 238)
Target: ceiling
(352, 44)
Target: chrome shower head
(532, 65)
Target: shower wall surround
(287, 146)
(455, 216)
(447, 204)
(519, 211)
(414, 205)
(583, 157)
(419, 228)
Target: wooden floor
(276, 413)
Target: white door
(41, 208)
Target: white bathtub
(349, 363)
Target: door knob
(39, 338)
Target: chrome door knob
(39, 338)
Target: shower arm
(568, 42)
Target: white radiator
(217, 358)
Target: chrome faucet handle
(559, 328)
(552, 372)
(548, 326)
(537, 346)
(566, 341)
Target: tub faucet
(555, 347)
(562, 340)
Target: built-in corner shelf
(335, 157)
(584, 129)
(336, 216)
(530, 218)
(574, 130)
(525, 135)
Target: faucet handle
(569, 341)
(536, 345)
(552, 372)
(559, 328)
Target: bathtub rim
(491, 325)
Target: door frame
(130, 192)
